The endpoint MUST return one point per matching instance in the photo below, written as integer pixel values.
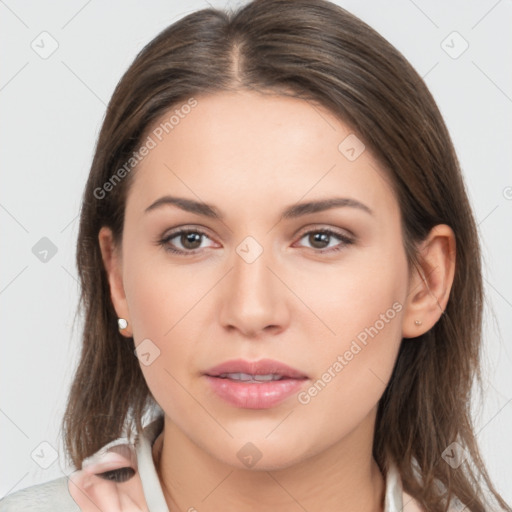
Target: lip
(260, 367)
(250, 394)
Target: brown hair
(317, 51)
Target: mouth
(264, 370)
(254, 385)
(246, 377)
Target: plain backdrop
(59, 65)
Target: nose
(254, 301)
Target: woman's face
(253, 284)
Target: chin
(264, 455)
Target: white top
(137, 488)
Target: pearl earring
(122, 323)
(417, 322)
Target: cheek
(360, 297)
(160, 294)
(160, 309)
(363, 305)
(353, 368)
(166, 312)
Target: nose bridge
(252, 300)
(250, 274)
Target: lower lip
(254, 395)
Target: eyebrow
(293, 211)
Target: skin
(251, 155)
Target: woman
(280, 271)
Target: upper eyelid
(341, 232)
(304, 231)
(178, 231)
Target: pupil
(321, 238)
(188, 240)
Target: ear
(430, 283)
(111, 255)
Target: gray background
(51, 111)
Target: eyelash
(164, 242)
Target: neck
(343, 478)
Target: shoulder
(49, 496)
(411, 505)
(399, 499)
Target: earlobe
(430, 283)
(113, 267)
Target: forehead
(259, 147)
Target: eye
(321, 239)
(186, 240)
(189, 241)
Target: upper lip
(260, 367)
